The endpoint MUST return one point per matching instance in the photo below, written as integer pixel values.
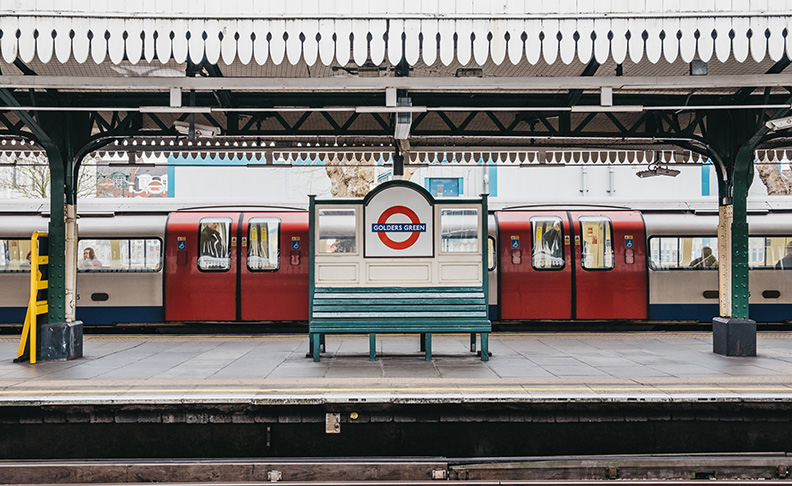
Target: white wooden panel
(27, 43)
(515, 45)
(149, 46)
(687, 43)
(654, 45)
(464, 44)
(8, 43)
(293, 42)
(775, 44)
(706, 44)
(326, 43)
(429, 44)
(134, 43)
(789, 38)
(179, 42)
(550, 42)
(671, 43)
(44, 43)
(567, 44)
(276, 43)
(395, 41)
(360, 41)
(310, 45)
(115, 44)
(739, 44)
(163, 40)
(245, 42)
(81, 42)
(330, 273)
(195, 44)
(498, 43)
(228, 47)
(412, 43)
(460, 272)
(480, 41)
(619, 42)
(447, 29)
(636, 43)
(377, 45)
(585, 45)
(343, 28)
(260, 43)
(722, 42)
(212, 43)
(758, 40)
(402, 273)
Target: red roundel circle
(398, 245)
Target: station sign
(399, 222)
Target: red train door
(536, 265)
(610, 265)
(274, 267)
(201, 266)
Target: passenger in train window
(706, 260)
(26, 262)
(89, 260)
(786, 262)
(552, 240)
(211, 242)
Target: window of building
(263, 252)
(596, 238)
(337, 230)
(444, 186)
(547, 243)
(683, 252)
(15, 255)
(459, 230)
(119, 255)
(213, 254)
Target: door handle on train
(516, 256)
(294, 258)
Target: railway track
(688, 469)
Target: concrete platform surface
(525, 367)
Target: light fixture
(205, 131)
(779, 123)
(698, 67)
(656, 170)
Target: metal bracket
(274, 476)
(333, 423)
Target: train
(611, 261)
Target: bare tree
(29, 176)
(349, 177)
(776, 182)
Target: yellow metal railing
(37, 305)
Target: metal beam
(493, 84)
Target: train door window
(547, 243)
(459, 230)
(263, 252)
(119, 255)
(491, 253)
(770, 252)
(337, 230)
(597, 243)
(678, 252)
(15, 255)
(213, 237)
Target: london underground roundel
(399, 222)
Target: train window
(683, 252)
(597, 247)
(15, 255)
(770, 252)
(491, 253)
(547, 243)
(119, 255)
(459, 230)
(213, 253)
(263, 250)
(337, 230)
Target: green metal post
(740, 183)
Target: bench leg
(484, 346)
(372, 347)
(322, 343)
(428, 342)
(314, 340)
(422, 340)
(473, 342)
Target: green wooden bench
(380, 310)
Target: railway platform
(540, 393)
